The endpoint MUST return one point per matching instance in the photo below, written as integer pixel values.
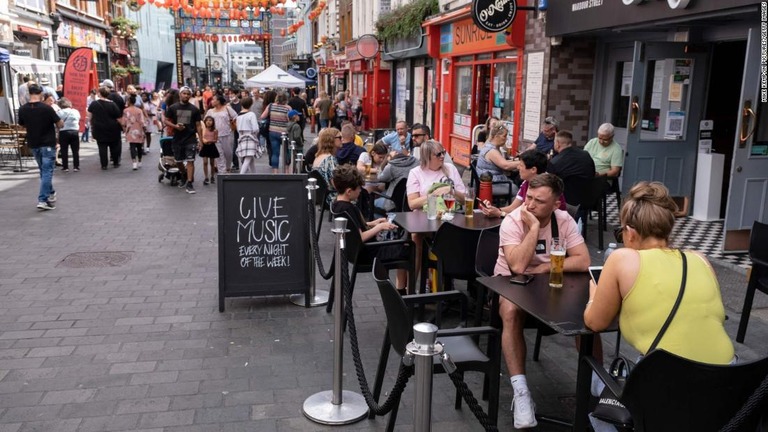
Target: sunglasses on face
(416, 135)
(338, 137)
(440, 154)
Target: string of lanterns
(313, 14)
(207, 9)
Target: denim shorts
(185, 152)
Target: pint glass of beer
(469, 203)
(556, 262)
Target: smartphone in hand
(594, 272)
(521, 279)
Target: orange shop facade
(479, 75)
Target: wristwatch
(503, 214)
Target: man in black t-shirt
(185, 119)
(41, 122)
(113, 96)
(573, 165)
(300, 105)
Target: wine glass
(450, 200)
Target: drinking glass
(367, 169)
(556, 262)
(431, 207)
(450, 200)
(469, 203)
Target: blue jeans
(46, 161)
(323, 123)
(275, 141)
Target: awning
(29, 65)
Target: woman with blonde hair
(641, 282)
(433, 177)
(328, 143)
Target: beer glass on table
(368, 170)
(556, 262)
(469, 203)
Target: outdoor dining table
(561, 309)
(416, 222)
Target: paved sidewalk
(125, 335)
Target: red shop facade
(369, 80)
(479, 75)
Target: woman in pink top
(431, 170)
(134, 127)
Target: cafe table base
(320, 298)
(320, 408)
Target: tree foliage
(406, 20)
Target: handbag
(331, 111)
(264, 125)
(609, 408)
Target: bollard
(421, 351)
(289, 164)
(281, 157)
(300, 163)
(316, 297)
(337, 406)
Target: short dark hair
(549, 180)
(347, 177)
(35, 89)
(422, 127)
(565, 136)
(246, 102)
(534, 159)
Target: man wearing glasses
(400, 139)
(545, 143)
(420, 133)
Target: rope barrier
(314, 239)
(471, 401)
(757, 400)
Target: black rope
(750, 408)
(314, 239)
(469, 398)
(403, 374)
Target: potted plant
(118, 71)
(124, 27)
(133, 70)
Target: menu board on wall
(534, 83)
(400, 92)
(418, 94)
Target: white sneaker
(139, 164)
(135, 165)
(523, 410)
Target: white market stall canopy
(29, 65)
(273, 76)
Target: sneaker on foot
(523, 410)
(182, 183)
(76, 170)
(52, 197)
(139, 164)
(206, 182)
(65, 169)
(135, 166)
(190, 188)
(45, 205)
(213, 180)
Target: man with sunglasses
(420, 133)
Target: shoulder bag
(264, 124)
(609, 408)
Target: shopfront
(413, 80)
(682, 86)
(369, 80)
(478, 75)
(73, 34)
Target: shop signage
(367, 46)
(673, 4)
(311, 73)
(77, 80)
(184, 23)
(464, 37)
(76, 35)
(494, 16)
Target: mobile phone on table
(521, 279)
(594, 272)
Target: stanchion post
(281, 159)
(300, 163)
(337, 406)
(421, 350)
(316, 297)
(291, 167)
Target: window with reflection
(504, 91)
(621, 94)
(666, 98)
(463, 90)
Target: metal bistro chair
(320, 198)
(665, 392)
(588, 195)
(758, 278)
(11, 144)
(485, 262)
(399, 197)
(458, 342)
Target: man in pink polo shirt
(525, 238)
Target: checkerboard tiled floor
(689, 233)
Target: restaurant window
(462, 115)
(621, 90)
(504, 91)
(486, 56)
(666, 97)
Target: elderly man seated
(606, 152)
(525, 239)
(400, 140)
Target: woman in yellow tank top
(640, 284)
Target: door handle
(746, 115)
(634, 114)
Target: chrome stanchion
(420, 352)
(289, 164)
(300, 163)
(316, 297)
(281, 158)
(337, 406)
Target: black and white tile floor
(689, 233)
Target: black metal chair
(665, 392)
(485, 262)
(588, 195)
(758, 279)
(464, 352)
(361, 255)
(321, 195)
(399, 196)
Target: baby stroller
(167, 163)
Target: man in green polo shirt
(606, 152)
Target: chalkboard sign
(263, 235)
